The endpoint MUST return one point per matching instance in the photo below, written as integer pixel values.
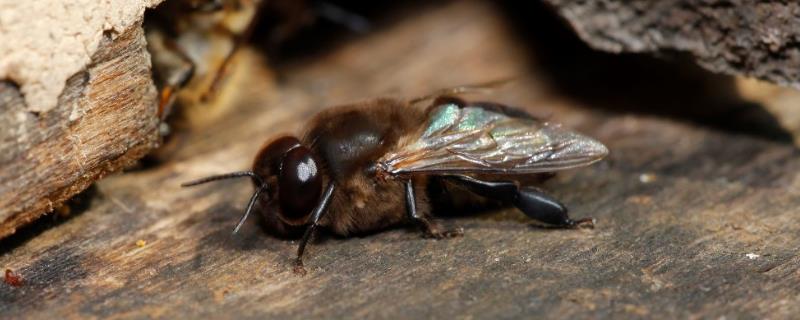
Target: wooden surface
(696, 205)
(105, 120)
(743, 37)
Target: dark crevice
(70, 209)
(674, 87)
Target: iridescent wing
(477, 140)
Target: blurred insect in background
(384, 162)
(193, 44)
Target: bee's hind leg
(531, 201)
(429, 228)
(538, 205)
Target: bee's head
(285, 173)
(290, 172)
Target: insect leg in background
(172, 69)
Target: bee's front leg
(316, 215)
(429, 228)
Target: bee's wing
(476, 140)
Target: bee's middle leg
(429, 228)
(531, 201)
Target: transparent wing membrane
(472, 139)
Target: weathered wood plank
(680, 204)
(105, 120)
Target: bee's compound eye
(269, 158)
(299, 185)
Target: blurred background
(695, 205)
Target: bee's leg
(428, 228)
(239, 40)
(172, 68)
(531, 201)
(316, 215)
(542, 207)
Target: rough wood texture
(695, 219)
(106, 119)
(45, 42)
(754, 38)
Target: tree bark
(758, 39)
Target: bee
(370, 165)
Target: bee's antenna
(261, 187)
(249, 208)
(231, 175)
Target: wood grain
(695, 219)
(106, 120)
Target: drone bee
(368, 166)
